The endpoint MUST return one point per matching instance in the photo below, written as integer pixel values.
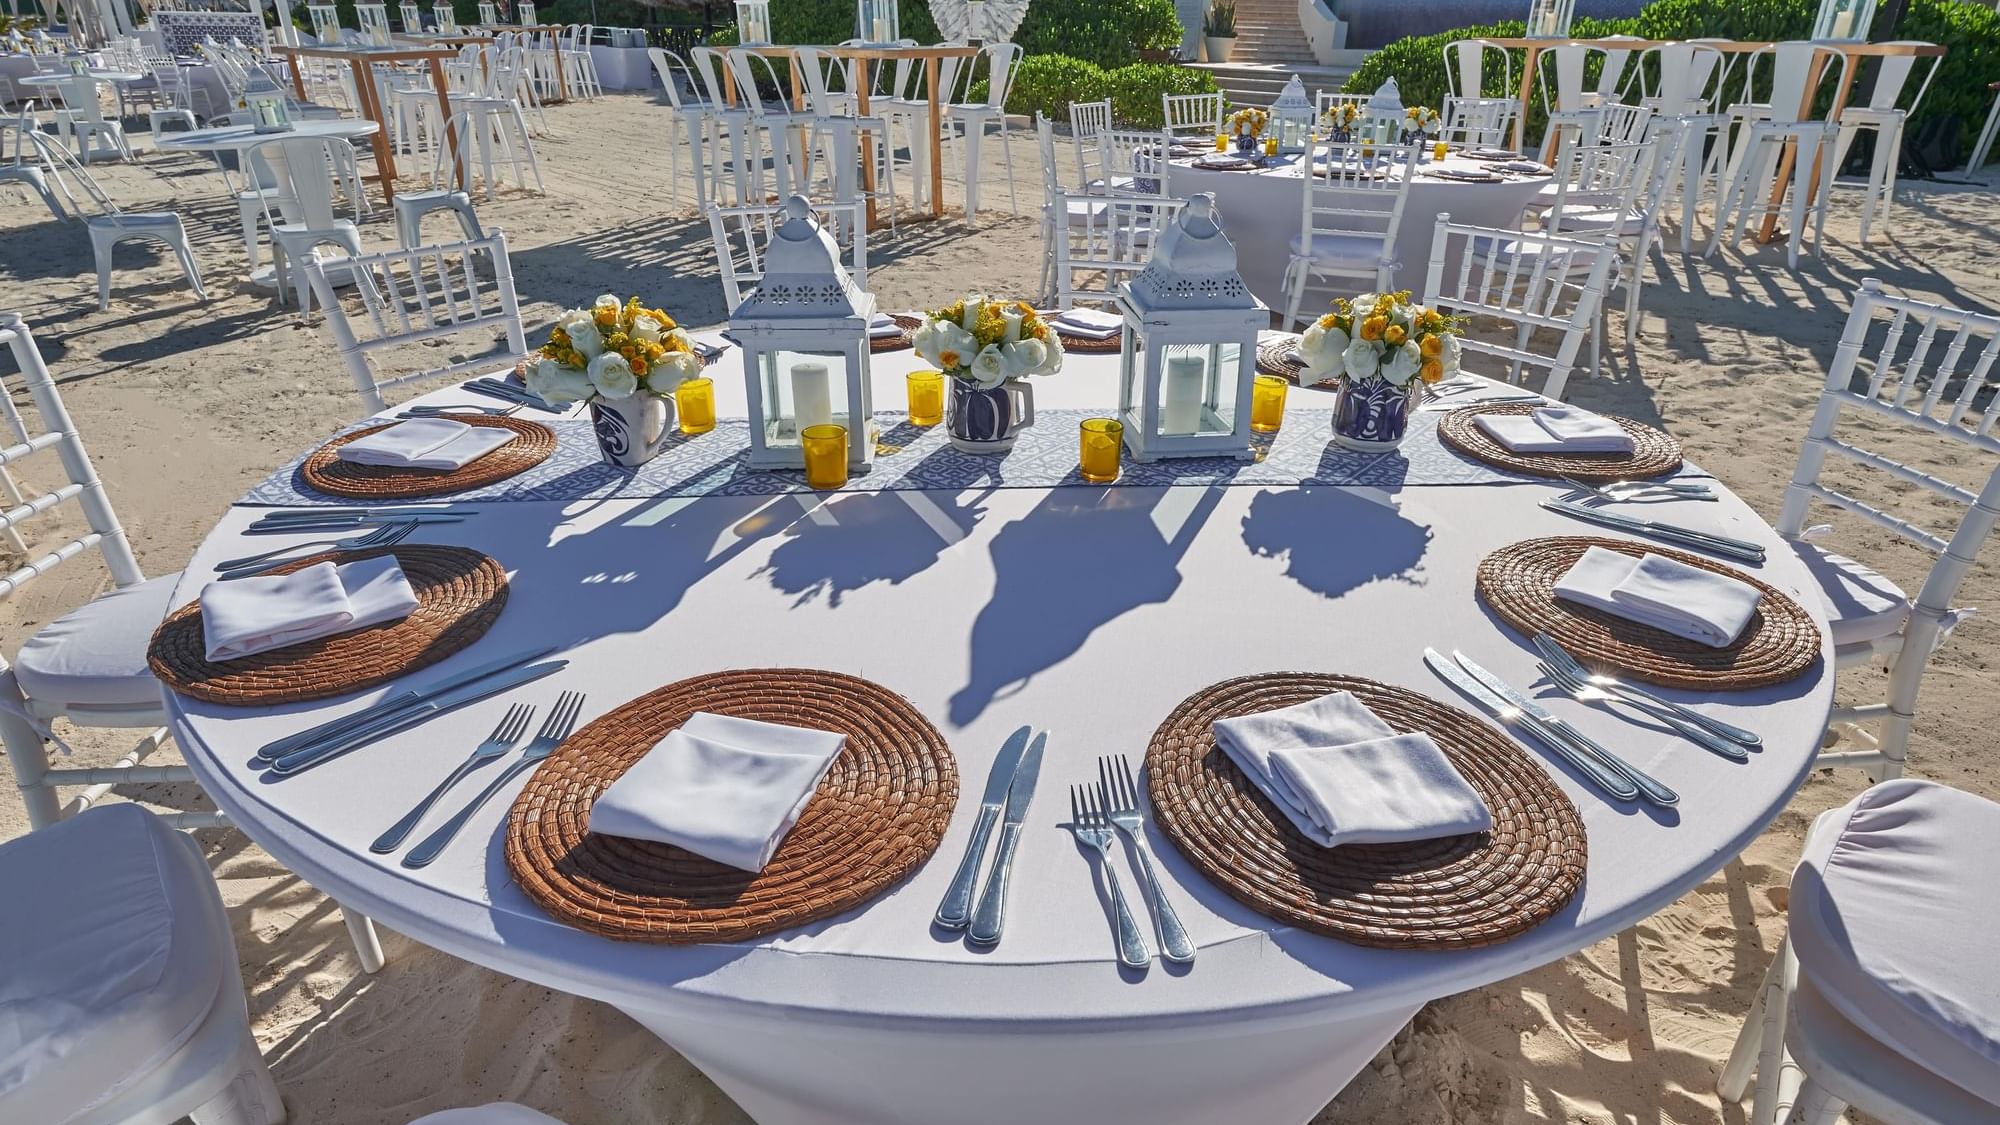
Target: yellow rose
(1431, 371)
(1373, 327)
(1431, 346)
(639, 368)
(1395, 334)
(605, 317)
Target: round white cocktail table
(236, 138)
(1088, 612)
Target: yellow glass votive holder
(694, 401)
(1270, 146)
(1222, 142)
(926, 390)
(1440, 150)
(1267, 404)
(826, 455)
(1101, 439)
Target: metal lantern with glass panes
(489, 13)
(875, 22)
(1292, 117)
(447, 19)
(753, 22)
(1847, 20)
(1190, 352)
(1550, 19)
(804, 335)
(524, 13)
(1382, 118)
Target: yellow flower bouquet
(1249, 122)
(612, 351)
(987, 342)
(1381, 335)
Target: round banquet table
(1087, 611)
(1260, 213)
(236, 138)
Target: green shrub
(1136, 89)
(1047, 84)
(1110, 33)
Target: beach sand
(184, 405)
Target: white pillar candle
(812, 399)
(1185, 375)
(1843, 23)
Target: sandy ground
(184, 405)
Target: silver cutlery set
(496, 386)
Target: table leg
(936, 138)
(1527, 92)
(298, 75)
(371, 108)
(444, 111)
(1769, 231)
(863, 84)
(728, 82)
(562, 80)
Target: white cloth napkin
(253, 615)
(426, 443)
(1335, 745)
(1556, 429)
(725, 788)
(882, 326)
(1671, 596)
(1090, 324)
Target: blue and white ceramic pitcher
(987, 421)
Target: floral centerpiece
(624, 360)
(987, 347)
(1418, 123)
(1382, 349)
(1246, 125)
(1340, 119)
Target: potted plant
(1218, 29)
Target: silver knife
(397, 702)
(493, 388)
(992, 910)
(1650, 789)
(954, 912)
(311, 515)
(341, 523)
(1512, 716)
(401, 720)
(1740, 549)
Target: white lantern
(753, 22)
(1847, 20)
(1190, 353)
(489, 13)
(1382, 118)
(447, 20)
(524, 13)
(1550, 19)
(1292, 117)
(875, 22)
(804, 335)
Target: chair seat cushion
(1596, 220)
(116, 948)
(1893, 917)
(97, 654)
(1861, 605)
(498, 1113)
(1342, 251)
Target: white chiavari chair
(741, 235)
(1882, 114)
(1103, 240)
(1754, 164)
(1193, 118)
(1133, 162)
(1478, 122)
(1086, 120)
(687, 117)
(1350, 210)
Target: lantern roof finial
(1293, 96)
(1193, 265)
(1386, 101)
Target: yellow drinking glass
(694, 399)
(1222, 142)
(1270, 146)
(826, 455)
(1102, 439)
(1440, 150)
(1267, 404)
(926, 390)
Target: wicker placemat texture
(908, 324)
(1451, 893)
(325, 472)
(877, 816)
(1274, 357)
(1084, 345)
(1518, 582)
(460, 592)
(1654, 453)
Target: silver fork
(1121, 802)
(459, 408)
(1088, 825)
(383, 536)
(561, 720)
(1631, 489)
(1587, 692)
(1559, 657)
(512, 725)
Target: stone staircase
(1270, 48)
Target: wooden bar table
(554, 32)
(362, 59)
(864, 84)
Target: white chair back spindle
(1350, 210)
(1196, 118)
(741, 236)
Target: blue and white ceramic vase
(632, 430)
(1370, 415)
(987, 421)
(1246, 144)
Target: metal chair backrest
(1680, 78)
(1563, 72)
(742, 234)
(1485, 122)
(1134, 162)
(673, 71)
(709, 63)
(424, 293)
(1195, 116)
(302, 173)
(1002, 61)
(69, 177)
(1794, 65)
(1465, 67)
(812, 70)
(744, 64)
(1892, 74)
(79, 96)
(1086, 120)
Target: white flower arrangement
(612, 350)
(1381, 335)
(987, 342)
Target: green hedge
(1109, 33)
(1047, 84)
(1136, 90)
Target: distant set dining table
(991, 593)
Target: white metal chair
(1562, 74)
(110, 226)
(25, 129)
(416, 295)
(1881, 996)
(496, 128)
(767, 128)
(687, 117)
(846, 141)
(966, 123)
(1908, 382)
(740, 236)
(732, 123)
(82, 120)
(1350, 210)
(295, 178)
(1471, 115)
(1882, 114)
(1194, 118)
(1682, 83)
(442, 195)
(1764, 137)
(1984, 145)
(1521, 279)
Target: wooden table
(554, 31)
(362, 59)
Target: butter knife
(954, 912)
(411, 716)
(1513, 717)
(397, 702)
(992, 910)
(1740, 549)
(1650, 789)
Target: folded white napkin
(253, 615)
(1671, 596)
(426, 443)
(1556, 429)
(1090, 324)
(725, 788)
(1382, 791)
(1300, 757)
(883, 326)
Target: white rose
(1010, 323)
(955, 346)
(607, 301)
(1027, 357)
(1403, 364)
(646, 327)
(1451, 355)
(973, 303)
(613, 377)
(924, 340)
(1360, 360)
(671, 371)
(558, 385)
(1054, 347)
(989, 368)
(573, 317)
(679, 339)
(586, 339)
(1322, 348)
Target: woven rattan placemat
(460, 592)
(1274, 357)
(1653, 452)
(325, 472)
(876, 817)
(896, 343)
(1454, 892)
(1518, 582)
(1084, 345)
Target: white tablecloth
(1088, 612)
(623, 68)
(1261, 212)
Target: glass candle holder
(1222, 142)
(826, 455)
(1440, 150)
(1101, 441)
(694, 400)
(926, 390)
(1267, 404)
(1270, 146)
